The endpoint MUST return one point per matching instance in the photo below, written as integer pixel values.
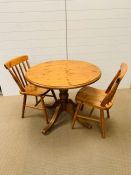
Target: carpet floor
(24, 150)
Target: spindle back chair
(18, 67)
(99, 99)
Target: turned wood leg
(91, 111)
(102, 123)
(53, 93)
(108, 114)
(75, 115)
(24, 103)
(36, 99)
(82, 106)
(44, 109)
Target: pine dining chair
(17, 68)
(99, 99)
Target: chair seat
(92, 96)
(34, 90)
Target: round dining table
(62, 75)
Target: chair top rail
(15, 61)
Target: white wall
(35, 28)
(98, 32)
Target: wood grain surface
(63, 74)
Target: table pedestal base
(63, 104)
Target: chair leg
(36, 99)
(102, 123)
(91, 111)
(53, 93)
(75, 115)
(44, 109)
(108, 114)
(82, 106)
(24, 104)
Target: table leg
(62, 104)
(53, 119)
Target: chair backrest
(111, 90)
(17, 67)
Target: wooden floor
(25, 151)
